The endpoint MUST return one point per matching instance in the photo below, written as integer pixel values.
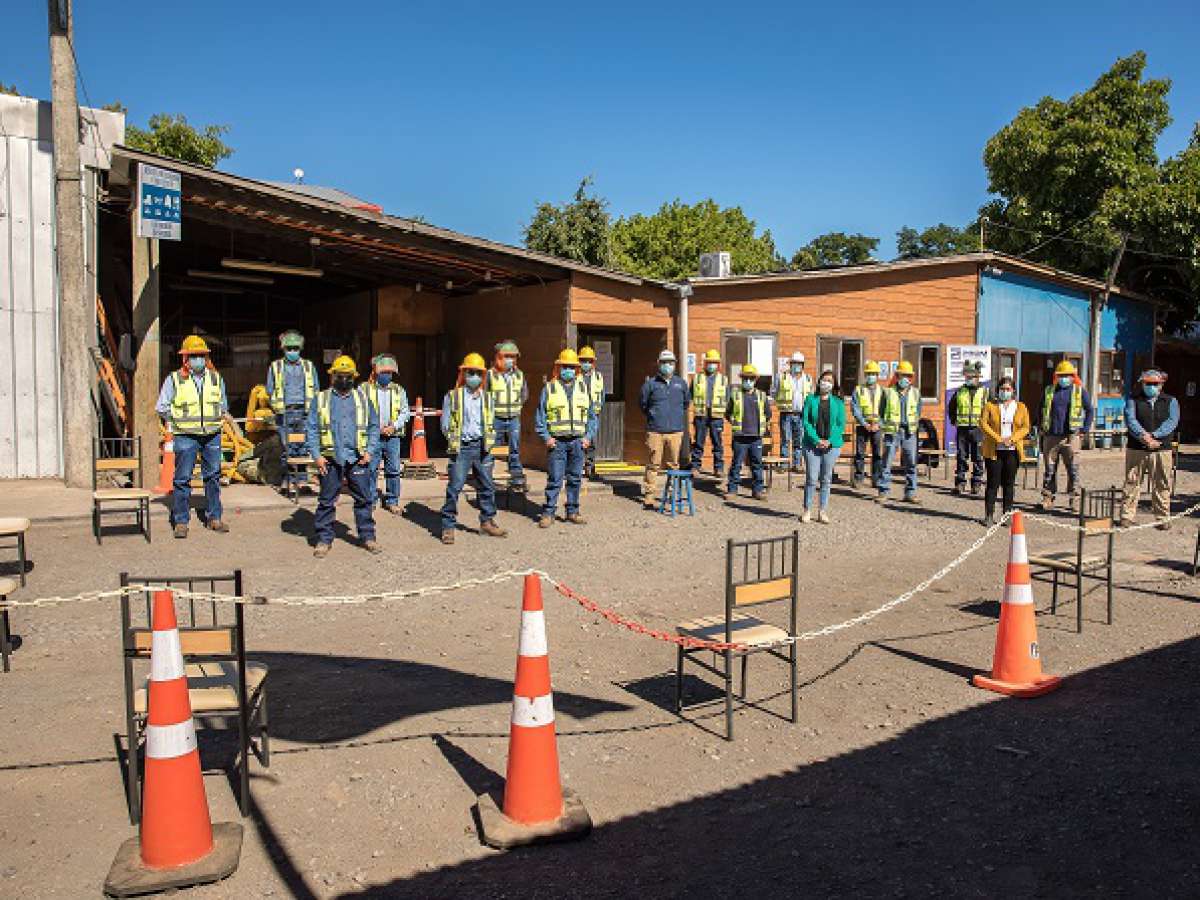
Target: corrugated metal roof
(322, 192)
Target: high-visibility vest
(968, 407)
(736, 408)
(720, 390)
(506, 392)
(277, 379)
(783, 391)
(454, 431)
(398, 397)
(594, 382)
(1075, 417)
(567, 416)
(192, 411)
(891, 410)
(361, 420)
(869, 397)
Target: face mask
(384, 378)
(291, 355)
(825, 387)
(586, 367)
(567, 375)
(1151, 390)
(473, 381)
(747, 385)
(509, 362)
(972, 382)
(711, 368)
(796, 370)
(1005, 394)
(343, 383)
(197, 363)
(871, 379)
(667, 369)
(904, 381)
(1066, 381)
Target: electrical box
(714, 265)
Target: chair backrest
(762, 571)
(203, 634)
(1098, 510)
(117, 454)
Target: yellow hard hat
(748, 371)
(1064, 368)
(905, 368)
(567, 358)
(344, 365)
(587, 353)
(871, 368)
(193, 343)
(473, 361)
(712, 356)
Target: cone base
(499, 831)
(1043, 685)
(419, 470)
(129, 876)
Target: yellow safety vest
(457, 398)
(506, 393)
(867, 403)
(399, 401)
(891, 410)
(1075, 417)
(361, 420)
(196, 412)
(736, 411)
(310, 384)
(968, 407)
(595, 386)
(567, 417)
(783, 391)
(700, 392)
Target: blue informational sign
(160, 203)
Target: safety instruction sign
(957, 355)
(160, 203)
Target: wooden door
(610, 362)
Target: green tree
(834, 249)
(172, 135)
(578, 230)
(668, 243)
(937, 240)
(10, 89)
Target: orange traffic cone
(179, 845)
(166, 471)
(536, 806)
(1017, 664)
(418, 465)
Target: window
(1004, 362)
(926, 360)
(844, 358)
(1112, 372)
(757, 348)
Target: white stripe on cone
(1018, 594)
(533, 712)
(166, 656)
(533, 633)
(1017, 552)
(170, 741)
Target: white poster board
(762, 354)
(605, 363)
(957, 355)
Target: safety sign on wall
(160, 203)
(957, 355)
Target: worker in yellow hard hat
(193, 404)
(469, 424)
(866, 407)
(506, 383)
(343, 437)
(901, 420)
(566, 421)
(1066, 415)
(749, 413)
(710, 395)
(292, 384)
(592, 379)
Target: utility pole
(77, 315)
(1097, 311)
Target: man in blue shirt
(566, 421)
(469, 424)
(292, 385)
(391, 406)
(1066, 414)
(343, 437)
(1152, 418)
(664, 401)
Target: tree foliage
(835, 249)
(173, 136)
(10, 89)
(937, 240)
(580, 230)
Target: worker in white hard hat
(664, 400)
(792, 388)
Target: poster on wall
(957, 355)
(605, 363)
(762, 354)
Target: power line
(88, 97)
(992, 223)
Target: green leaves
(834, 249)
(171, 135)
(938, 240)
(579, 230)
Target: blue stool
(677, 493)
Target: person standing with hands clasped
(1005, 424)
(824, 419)
(664, 400)
(566, 421)
(1152, 418)
(749, 414)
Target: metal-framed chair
(15, 527)
(756, 573)
(119, 458)
(1032, 461)
(222, 685)
(1098, 511)
(298, 467)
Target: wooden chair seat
(300, 461)
(118, 464)
(745, 629)
(1064, 561)
(212, 686)
(7, 586)
(105, 494)
(13, 525)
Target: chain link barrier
(1119, 529)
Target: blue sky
(852, 117)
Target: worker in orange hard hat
(194, 405)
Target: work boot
(881, 498)
(576, 519)
(912, 498)
(1073, 503)
(856, 483)
(956, 491)
(321, 551)
(823, 517)
(975, 489)
(989, 520)
(217, 525)
(649, 503)
(725, 495)
(1164, 525)
(1047, 504)
(393, 509)
(491, 529)
(1126, 523)
(806, 517)
(718, 474)
(759, 495)
(181, 531)
(545, 521)
(372, 547)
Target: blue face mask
(711, 368)
(567, 375)
(586, 367)
(384, 378)
(1066, 381)
(291, 355)
(473, 381)
(509, 363)
(871, 379)
(1004, 394)
(904, 381)
(1151, 390)
(198, 363)
(667, 369)
(747, 385)
(796, 370)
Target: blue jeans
(565, 459)
(471, 457)
(389, 457)
(747, 448)
(508, 434)
(713, 427)
(358, 479)
(187, 448)
(969, 457)
(791, 437)
(906, 441)
(818, 467)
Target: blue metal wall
(1030, 315)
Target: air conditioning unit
(714, 265)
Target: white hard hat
(798, 357)
(666, 356)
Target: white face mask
(825, 387)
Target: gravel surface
(900, 779)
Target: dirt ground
(900, 779)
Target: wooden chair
(222, 685)
(14, 528)
(1098, 510)
(121, 459)
(756, 573)
(7, 586)
(1032, 461)
(298, 469)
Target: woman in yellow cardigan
(1005, 424)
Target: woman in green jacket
(824, 418)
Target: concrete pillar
(146, 383)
